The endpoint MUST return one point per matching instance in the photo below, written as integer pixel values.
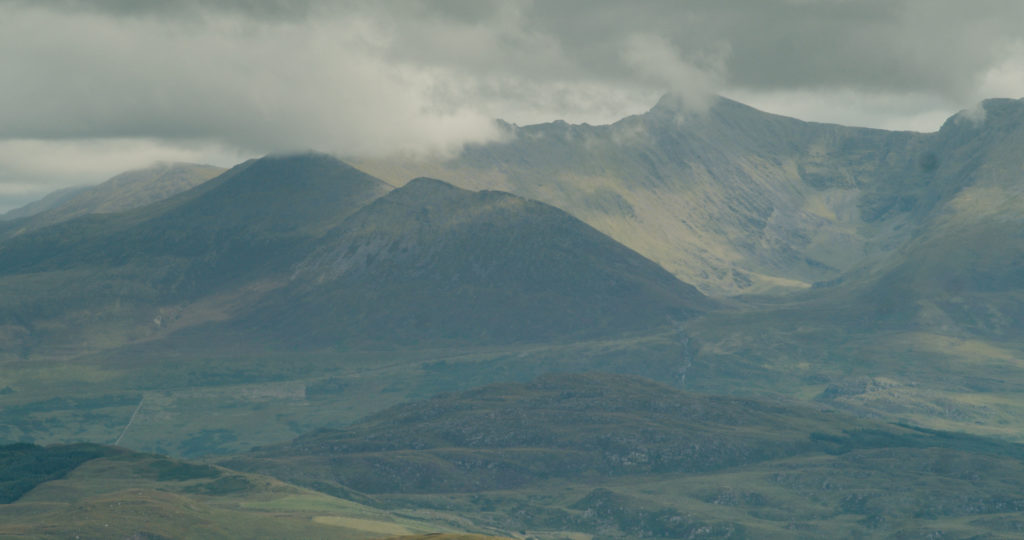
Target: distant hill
(49, 201)
(123, 192)
(430, 261)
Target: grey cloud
(370, 77)
(261, 9)
(259, 86)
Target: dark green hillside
(147, 320)
(621, 457)
(963, 274)
(25, 466)
(431, 262)
(577, 426)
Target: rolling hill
(92, 491)
(625, 457)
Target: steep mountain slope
(123, 192)
(625, 457)
(963, 274)
(432, 262)
(930, 331)
(735, 200)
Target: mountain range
(840, 299)
(735, 200)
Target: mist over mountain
(736, 200)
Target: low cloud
(257, 86)
(655, 59)
(357, 77)
(974, 115)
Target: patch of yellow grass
(360, 524)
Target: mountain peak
(1002, 112)
(427, 184)
(310, 191)
(308, 159)
(425, 192)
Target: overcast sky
(91, 88)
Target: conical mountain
(432, 262)
(278, 195)
(261, 201)
(252, 223)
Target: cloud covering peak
(215, 81)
